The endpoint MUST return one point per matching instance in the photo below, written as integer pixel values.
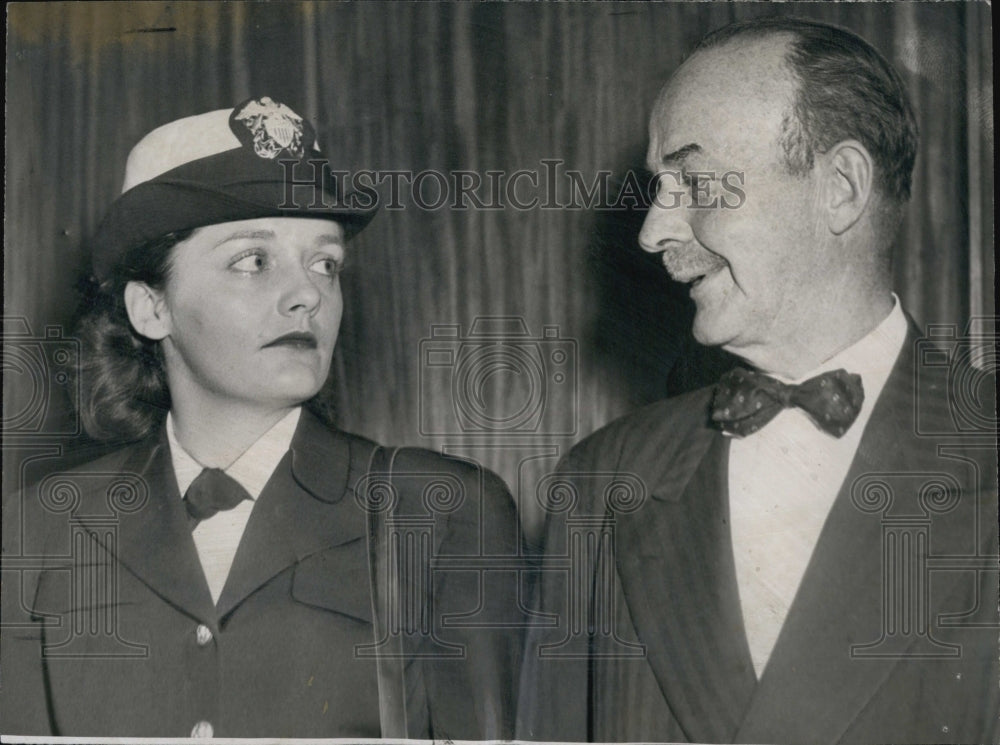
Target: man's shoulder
(650, 428)
(940, 392)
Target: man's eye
(252, 262)
(697, 179)
(667, 180)
(329, 267)
(700, 182)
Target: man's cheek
(733, 194)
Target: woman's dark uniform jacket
(277, 655)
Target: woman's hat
(259, 159)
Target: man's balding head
(844, 90)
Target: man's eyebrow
(253, 235)
(677, 158)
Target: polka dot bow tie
(746, 400)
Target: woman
(224, 575)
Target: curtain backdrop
(446, 87)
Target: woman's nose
(300, 293)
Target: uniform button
(202, 729)
(203, 635)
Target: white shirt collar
(252, 469)
(872, 357)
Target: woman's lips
(297, 339)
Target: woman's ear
(147, 310)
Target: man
(764, 559)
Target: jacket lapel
(678, 576)
(813, 686)
(154, 541)
(306, 506)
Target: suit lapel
(813, 687)
(678, 575)
(154, 541)
(306, 506)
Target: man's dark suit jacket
(281, 659)
(661, 653)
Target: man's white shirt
(783, 481)
(218, 537)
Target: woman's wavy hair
(123, 380)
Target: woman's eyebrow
(255, 235)
(328, 238)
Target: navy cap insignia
(271, 128)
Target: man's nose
(666, 225)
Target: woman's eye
(329, 267)
(253, 262)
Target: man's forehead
(720, 96)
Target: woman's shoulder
(109, 458)
(87, 467)
(410, 459)
(431, 467)
(43, 510)
(432, 461)
(427, 479)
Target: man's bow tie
(746, 400)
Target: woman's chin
(289, 390)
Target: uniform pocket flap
(336, 579)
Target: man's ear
(147, 310)
(850, 173)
